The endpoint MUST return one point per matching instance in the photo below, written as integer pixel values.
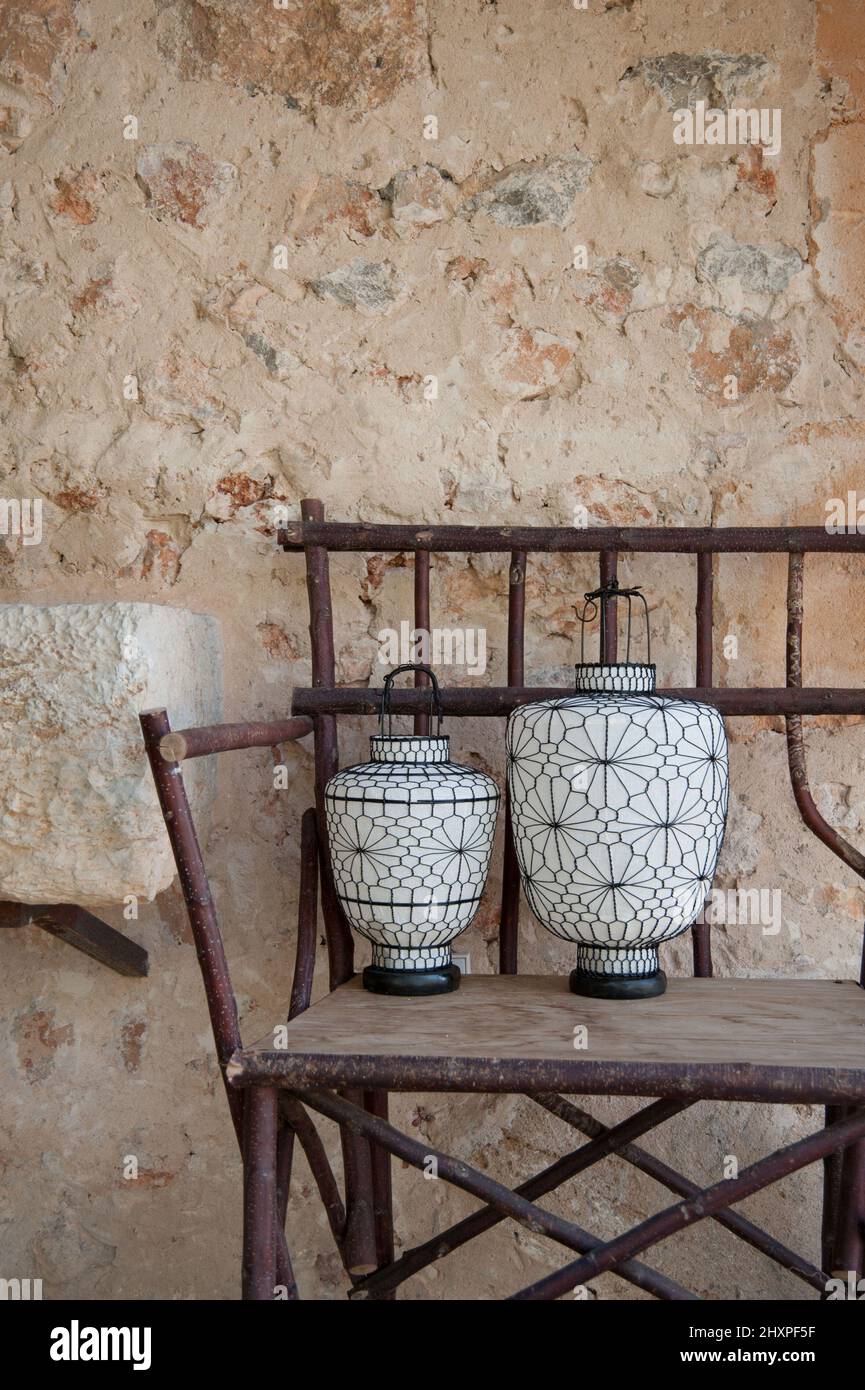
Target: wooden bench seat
(801, 1039)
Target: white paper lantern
(410, 835)
(618, 807)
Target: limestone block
(79, 819)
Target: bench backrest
(324, 701)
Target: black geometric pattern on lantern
(640, 961)
(415, 958)
(618, 806)
(624, 677)
(410, 837)
(409, 748)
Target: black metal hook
(435, 705)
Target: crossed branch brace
(616, 1255)
(264, 1204)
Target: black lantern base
(412, 984)
(618, 987)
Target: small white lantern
(618, 806)
(410, 835)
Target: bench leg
(284, 1156)
(377, 1104)
(832, 1165)
(850, 1225)
(260, 1206)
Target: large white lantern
(410, 835)
(618, 807)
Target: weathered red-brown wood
(412, 1261)
(376, 1102)
(359, 1240)
(221, 1002)
(307, 905)
(340, 944)
(849, 1233)
(510, 909)
(478, 701)
(422, 624)
(704, 615)
(674, 1181)
(181, 744)
(284, 1161)
(701, 936)
(493, 1193)
(832, 1165)
(669, 540)
(795, 746)
(665, 1223)
(319, 1165)
(609, 568)
(259, 1194)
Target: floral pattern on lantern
(618, 807)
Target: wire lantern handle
(607, 591)
(435, 699)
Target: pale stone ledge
(79, 819)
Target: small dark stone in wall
(363, 284)
(715, 78)
(526, 195)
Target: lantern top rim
(409, 748)
(614, 678)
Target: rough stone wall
(232, 262)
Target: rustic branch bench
(776, 1041)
